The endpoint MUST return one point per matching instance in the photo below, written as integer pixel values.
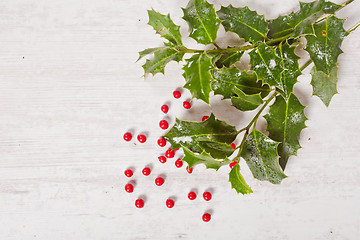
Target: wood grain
(70, 88)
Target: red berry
(170, 203)
(146, 171)
(178, 163)
(159, 181)
(128, 172)
(233, 145)
(127, 136)
(177, 94)
(204, 118)
(192, 195)
(207, 196)
(189, 170)
(141, 138)
(139, 203)
(163, 124)
(164, 108)
(162, 159)
(129, 188)
(169, 153)
(161, 142)
(206, 217)
(186, 105)
(231, 165)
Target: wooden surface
(70, 88)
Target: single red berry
(146, 171)
(170, 203)
(233, 145)
(189, 170)
(169, 153)
(127, 136)
(192, 195)
(162, 159)
(206, 217)
(141, 138)
(207, 196)
(159, 181)
(129, 188)
(186, 105)
(231, 165)
(128, 172)
(178, 163)
(164, 108)
(139, 203)
(204, 118)
(161, 142)
(177, 94)
(163, 124)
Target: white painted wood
(70, 88)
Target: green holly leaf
(324, 86)
(162, 56)
(267, 65)
(202, 20)
(300, 23)
(279, 27)
(198, 77)
(324, 47)
(289, 62)
(148, 51)
(238, 182)
(226, 79)
(193, 159)
(245, 102)
(302, 20)
(217, 150)
(187, 134)
(228, 59)
(285, 121)
(245, 23)
(260, 154)
(164, 26)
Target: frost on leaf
(260, 154)
(285, 121)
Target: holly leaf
(289, 62)
(238, 182)
(324, 86)
(185, 133)
(228, 59)
(300, 23)
(226, 79)
(245, 23)
(267, 65)
(302, 20)
(261, 156)
(198, 77)
(162, 56)
(285, 121)
(245, 102)
(148, 51)
(164, 26)
(217, 150)
(279, 27)
(324, 47)
(202, 20)
(194, 158)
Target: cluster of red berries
(141, 137)
(169, 153)
(159, 181)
